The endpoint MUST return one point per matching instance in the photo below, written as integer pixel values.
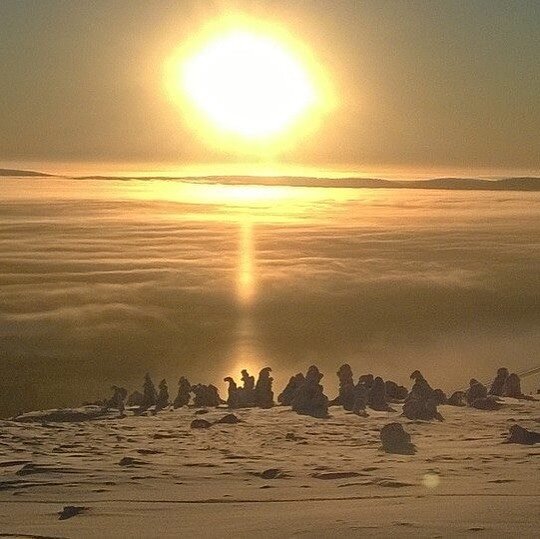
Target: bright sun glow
(248, 84)
(244, 85)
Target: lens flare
(431, 480)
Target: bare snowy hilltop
(272, 474)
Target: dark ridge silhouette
(519, 183)
(524, 183)
(23, 173)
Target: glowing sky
(418, 84)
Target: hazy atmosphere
(414, 85)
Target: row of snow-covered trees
(150, 396)
(159, 399)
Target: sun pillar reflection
(245, 279)
(246, 354)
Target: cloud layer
(102, 281)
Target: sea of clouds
(101, 281)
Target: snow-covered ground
(328, 478)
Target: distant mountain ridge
(526, 183)
(22, 173)
(522, 183)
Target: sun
(247, 86)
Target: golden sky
(409, 85)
